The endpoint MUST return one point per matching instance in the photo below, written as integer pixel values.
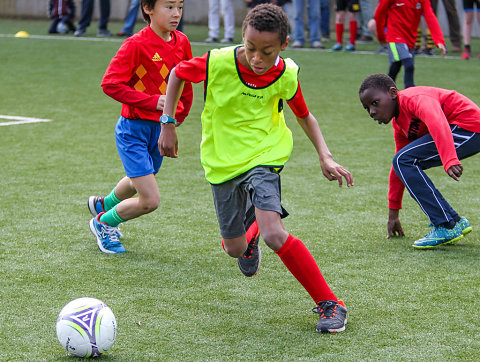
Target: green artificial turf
(175, 293)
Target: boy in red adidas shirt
(432, 127)
(245, 143)
(402, 25)
(137, 77)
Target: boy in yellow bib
(245, 143)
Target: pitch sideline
(21, 120)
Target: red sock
(353, 31)
(251, 233)
(296, 257)
(339, 31)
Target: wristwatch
(166, 119)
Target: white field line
(21, 120)
(119, 40)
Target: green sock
(111, 200)
(111, 217)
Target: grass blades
(175, 293)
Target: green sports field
(175, 293)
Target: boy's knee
(402, 159)
(274, 238)
(395, 162)
(150, 205)
(234, 253)
(234, 249)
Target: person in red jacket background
(401, 31)
(137, 77)
(431, 127)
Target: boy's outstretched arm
(394, 227)
(331, 170)
(168, 141)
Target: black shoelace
(326, 309)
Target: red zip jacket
(431, 110)
(138, 74)
(403, 21)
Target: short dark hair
(268, 17)
(150, 4)
(377, 81)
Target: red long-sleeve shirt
(431, 110)
(403, 20)
(138, 74)
(195, 71)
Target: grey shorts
(398, 52)
(259, 187)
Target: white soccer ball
(86, 327)
(62, 28)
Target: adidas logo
(157, 58)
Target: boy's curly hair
(268, 17)
(377, 81)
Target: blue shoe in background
(107, 236)
(337, 47)
(350, 47)
(439, 236)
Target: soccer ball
(62, 28)
(86, 327)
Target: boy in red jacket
(432, 127)
(137, 77)
(402, 25)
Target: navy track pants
(421, 154)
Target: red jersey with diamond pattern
(138, 74)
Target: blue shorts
(137, 145)
(469, 5)
(398, 52)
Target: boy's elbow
(107, 89)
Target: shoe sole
(99, 242)
(467, 230)
(434, 246)
(338, 330)
(91, 206)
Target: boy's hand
(333, 171)
(455, 172)
(168, 141)
(443, 48)
(394, 227)
(161, 102)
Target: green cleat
(439, 236)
